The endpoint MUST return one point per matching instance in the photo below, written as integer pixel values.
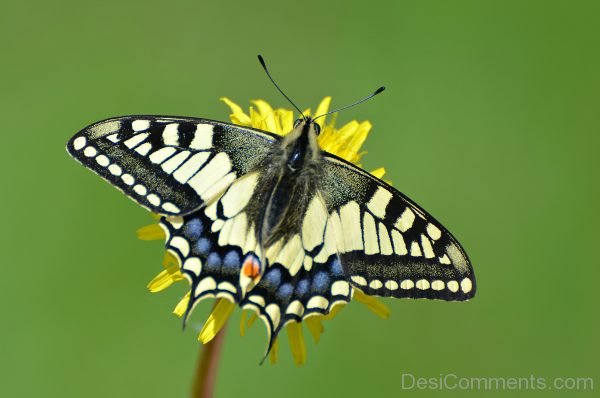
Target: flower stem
(206, 368)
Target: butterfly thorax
(300, 147)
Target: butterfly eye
(317, 128)
(297, 122)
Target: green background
(490, 122)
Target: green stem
(206, 369)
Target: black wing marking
(387, 244)
(169, 165)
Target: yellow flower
(345, 142)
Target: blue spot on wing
(320, 282)
(272, 279)
(213, 261)
(285, 292)
(193, 229)
(202, 247)
(302, 288)
(232, 260)
(336, 268)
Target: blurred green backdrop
(490, 122)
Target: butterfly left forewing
(387, 244)
(169, 165)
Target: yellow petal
(277, 120)
(337, 141)
(235, 108)
(151, 232)
(285, 120)
(181, 306)
(351, 150)
(235, 119)
(297, 344)
(238, 116)
(359, 138)
(379, 173)
(264, 108)
(252, 319)
(257, 120)
(274, 354)
(322, 109)
(327, 141)
(165, 279)
(169, 259)
(347, 131)
(267, 115)
(155, 216)
(337, 308)
(315, 327)
(380, 309)
(217, 318)
(328, 131)
(171, 274)
(332, 121)
(243, 323)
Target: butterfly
(274, 223)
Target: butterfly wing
(169, 165)
(220, 251)
(387, 244)
(217, 246)
(204, 177)
(297, 282)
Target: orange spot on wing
(251, 267)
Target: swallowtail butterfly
(274, 223)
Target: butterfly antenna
(262, 62)
(379, 90)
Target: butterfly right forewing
(388, 245)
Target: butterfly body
(295, 163)
(274, 223)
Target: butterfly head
(300, 145)
(307, 125)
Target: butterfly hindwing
(170, 165)
(298, 283)
(387, 244)
(216, 245)
(281, 298)
(221, 254)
